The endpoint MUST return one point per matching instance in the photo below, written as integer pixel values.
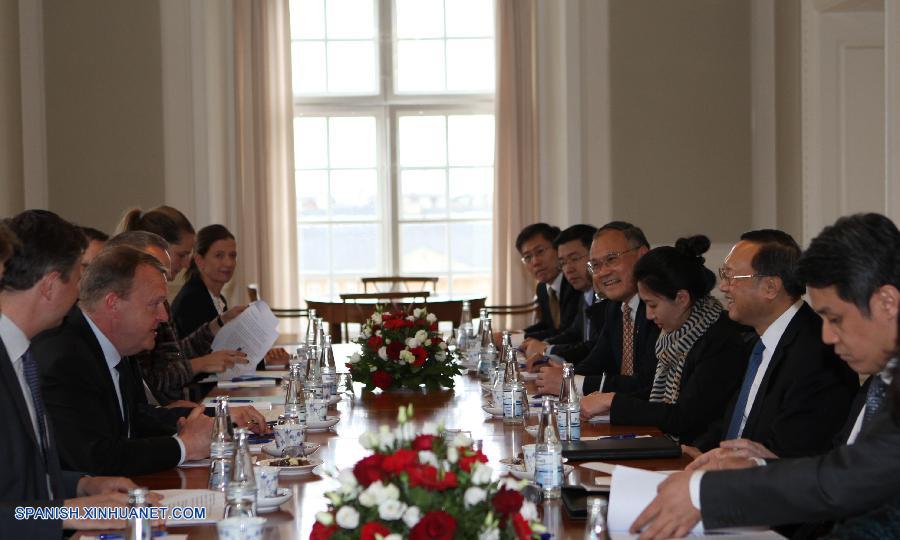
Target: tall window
(393, 141)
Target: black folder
(636, 448)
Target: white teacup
(266, 480)
(241, 528)
(315, 409)
(289, 436)
(528, 453)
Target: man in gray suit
(852, 273)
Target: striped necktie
(32, 378)
(627, 341)
(874, 399)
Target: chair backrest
(356, 312)
(399, 283)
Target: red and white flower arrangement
(402, 350)
(424, 486)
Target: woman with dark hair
(213, 265)
(169, 223)
(701, 355)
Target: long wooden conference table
(459, 408)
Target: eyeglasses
(723, 275)
(611, 259)
(571, 259)
(536, 254)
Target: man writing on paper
(852, 273)
(90, 392)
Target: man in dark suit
(91, 394)
(557, 301)
(796, 392)
(853, 276)
(40, 284)
(574, 342)
(623, 357)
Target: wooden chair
(400, 283)
(281, 313)
(362, 311)
(517, 309)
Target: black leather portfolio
(636, 448)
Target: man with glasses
(573, 343)
(557, 300)
(623, 357)
(796, 392)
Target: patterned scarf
(672, 349)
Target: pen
(240, 401)
(621, 436)
(117, 536)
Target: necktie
(32, 378)
(627, 341)
(586, 330)
(737, 417)
(554, 307)
(874, 399)
(124, 389)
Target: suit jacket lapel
(80, 324)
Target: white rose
(431, 317)
(429, 428)
(461, 440)
(417, 312)
(366, 333)
(442, 346)
(369, 440)
(405, 432)
(412, 516)
(440, 356)
(334, 497)
(473, 496)
(325, 518)
(376, 318)
(427, 457)
(385, 437)
(390, 492)
(529, 511)
(452, 454)
(492, 533)
(482, 474)
(406, 356)
(355, 357)
(427, 343)
(422, 336)
(378, 333)
(371, 495)
(511, 483)
(394, 536)
(391, 509)
(348, 479)
(410, 318)
(382, 353)
(347, 517)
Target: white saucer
(518, 471)
(321, 425)
(495, 411)
(270, 504)
(273, 451)
(296, 470)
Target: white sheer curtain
(267, 231)
(516, 175)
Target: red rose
(394, 323)
(448, 481)
(522, 528)
(382, 379)
(370, 529)
(435, 525)
(433, 327)
(469, 457)
(507, 501)
(321, 532)
(368, 470)
(375, 342)
(436, 339)
(424, 476)
(421, 356)
(400, 460)
(393, 349)
(423, 442)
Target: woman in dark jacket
(200, 300)
(701, 353)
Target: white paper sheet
(253, 332)
(630, 492)
(213, 501)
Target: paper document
(600, 419)
(630, 492)
(213, 501)
(254, 332)
(599, 466)
(259, 383)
